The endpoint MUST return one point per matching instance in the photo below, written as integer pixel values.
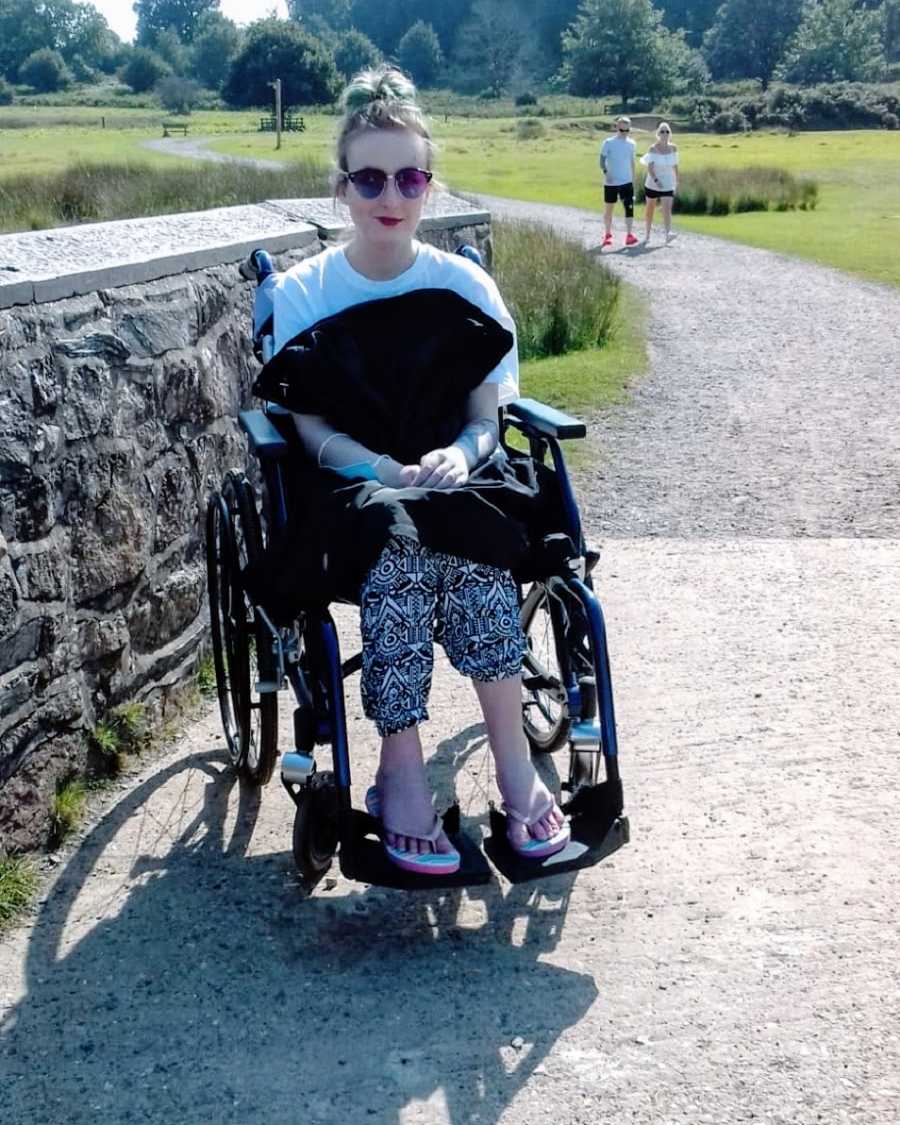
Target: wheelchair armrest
(545, 420)
(265, 440)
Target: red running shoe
(607, 241)
(630, 240)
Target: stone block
(160, 614)
(43, 572)
(10, 596)
(88, 400)
(110, 548)
(99, 637)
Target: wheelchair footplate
(366, 861)
(598, 829)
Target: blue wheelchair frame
(307, 656)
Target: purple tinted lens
(411, 182)
(369, 182)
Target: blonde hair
(624, 121)
(663, 125)
(380, 98)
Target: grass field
(856, 226)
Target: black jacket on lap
(394, 374)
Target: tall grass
(725, 191)
(96, 192)
(561, 299)
(18, 884)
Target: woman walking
(661, 181)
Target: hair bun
(380, 84)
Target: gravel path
(772, 406)
(195, 149)
(736, 963)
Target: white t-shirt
(619, 155)
(664, 165)
(326, 284)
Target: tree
(620, 46)
(156, 16)
(749, 37)
(694, 17)
(419, 53)
(7, 97)
(274, 48)
(836, 42)
(45, 71)
(65, 26)
(172, 51)
(335, 14)
(547, 20)
(216, 42)
(353, 52)
(891, 30)
(177, 94)
(384, 21)
(488, 46)
(143, 70)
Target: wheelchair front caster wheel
(315, 828)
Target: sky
(121, 18)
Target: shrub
(143, 70)
(177, 94)
(7, 97)
(530, 129)
(559, 297)
(525, 99)
(890, 121)
(279, 47)
(45, 71)
(729, 121)
(81, 72)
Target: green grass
(18, 885)
(855, 225)
(67, 809)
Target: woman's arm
(450, 467)
(334, 450)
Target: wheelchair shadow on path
(175, 973)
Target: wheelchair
(567, 691)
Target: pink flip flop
(537, 849)
(429, 863)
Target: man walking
(617, 162)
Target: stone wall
(124, 359)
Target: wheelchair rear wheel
(226, 622)
(253, 743)
(544, 704)
(557, 640)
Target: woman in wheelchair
(394, 357)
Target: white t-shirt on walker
(326, 284)
(664, 164)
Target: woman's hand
(441, 468)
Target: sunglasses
(624, 129)
(371, 182)
(664, 132)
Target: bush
(45, 71)
(144, 70)
(729, 121)
(279, 47)
(529, 129)
(177, 94)
(7, 96)
(890, 121)
(559, 297)
(526, 99)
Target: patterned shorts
(412, 597)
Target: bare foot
(406, 801)
(524, 791)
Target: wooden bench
(174, 127)
(290, 123)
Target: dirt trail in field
(737, 962)
(195, 149)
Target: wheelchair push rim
(249, 718)
(545, 713)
